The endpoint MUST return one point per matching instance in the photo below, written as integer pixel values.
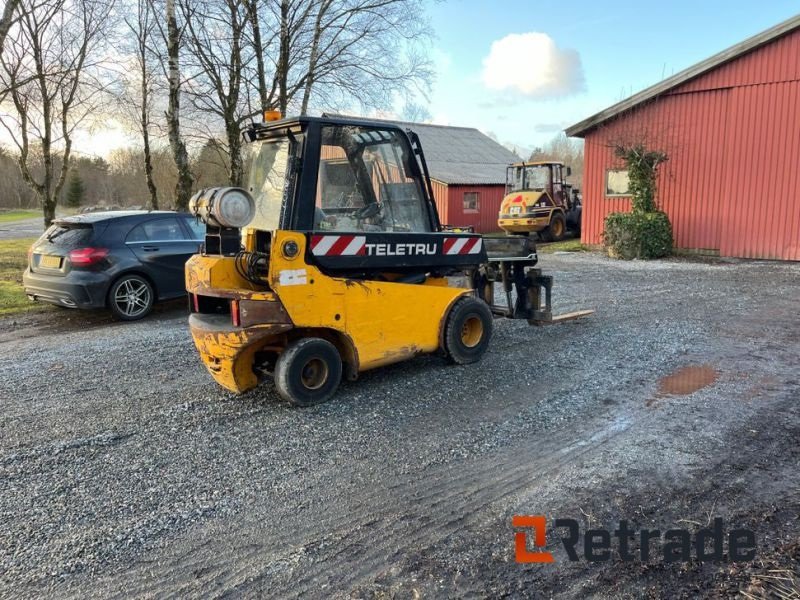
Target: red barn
(468, 173)
(731, 128)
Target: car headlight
(223, 206)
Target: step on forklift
(333, 261)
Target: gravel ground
(125, 470)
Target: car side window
(197, 227)
(158, 230)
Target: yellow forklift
(539, 200)
(333, 261)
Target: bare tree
(216, 30)
(46, 68)
(258, 45)
(142, 28)
(564, 149)
(6, 20)
(367, 51)
(183, 188)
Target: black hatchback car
(120, 260)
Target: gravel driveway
(125, 470)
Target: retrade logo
(598, 545)
(538, 523)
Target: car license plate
(48, 261)
(515, 210)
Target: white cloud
(532, 65)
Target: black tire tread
(286, 360)
(456, 353)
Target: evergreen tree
(75, 190)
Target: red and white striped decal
(338, 245)
(454, 245)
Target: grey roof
(458, 155)
(732, 53)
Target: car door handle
(150, 248)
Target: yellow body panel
(527, 202)
(374, 322)
(386, 322)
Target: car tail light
(86, 257)
(195, 303)
(235, 312)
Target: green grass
(13, 260)
(19, 215)
(564, 246)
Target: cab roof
(537, 163)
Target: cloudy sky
(524, 70)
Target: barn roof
(458, 155)
(732, 53)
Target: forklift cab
(362, 178)
(356, 189)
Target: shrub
(645, 232)
(638, 235)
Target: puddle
(685, 381)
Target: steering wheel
(366, 212)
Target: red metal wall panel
(484, 220)
(777, 61)
(440, 195)
(763, 213)
(731, 180)
(691, 130)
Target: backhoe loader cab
(332, 261)
(538, 199)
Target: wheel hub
(472, 332)
(314, 374)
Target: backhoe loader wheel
(308, 371)
(468, 331)
(555, 231)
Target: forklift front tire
(308, 372)
(468, 331)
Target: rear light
(86, 257)
(235, 312)
(195, 303)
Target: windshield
(366, 182)
(268, 180)
(536, 178)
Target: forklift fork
(528, 294)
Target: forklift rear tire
(308, 372)
(468, 331)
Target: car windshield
(268, 176)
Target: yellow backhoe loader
(333, 261)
